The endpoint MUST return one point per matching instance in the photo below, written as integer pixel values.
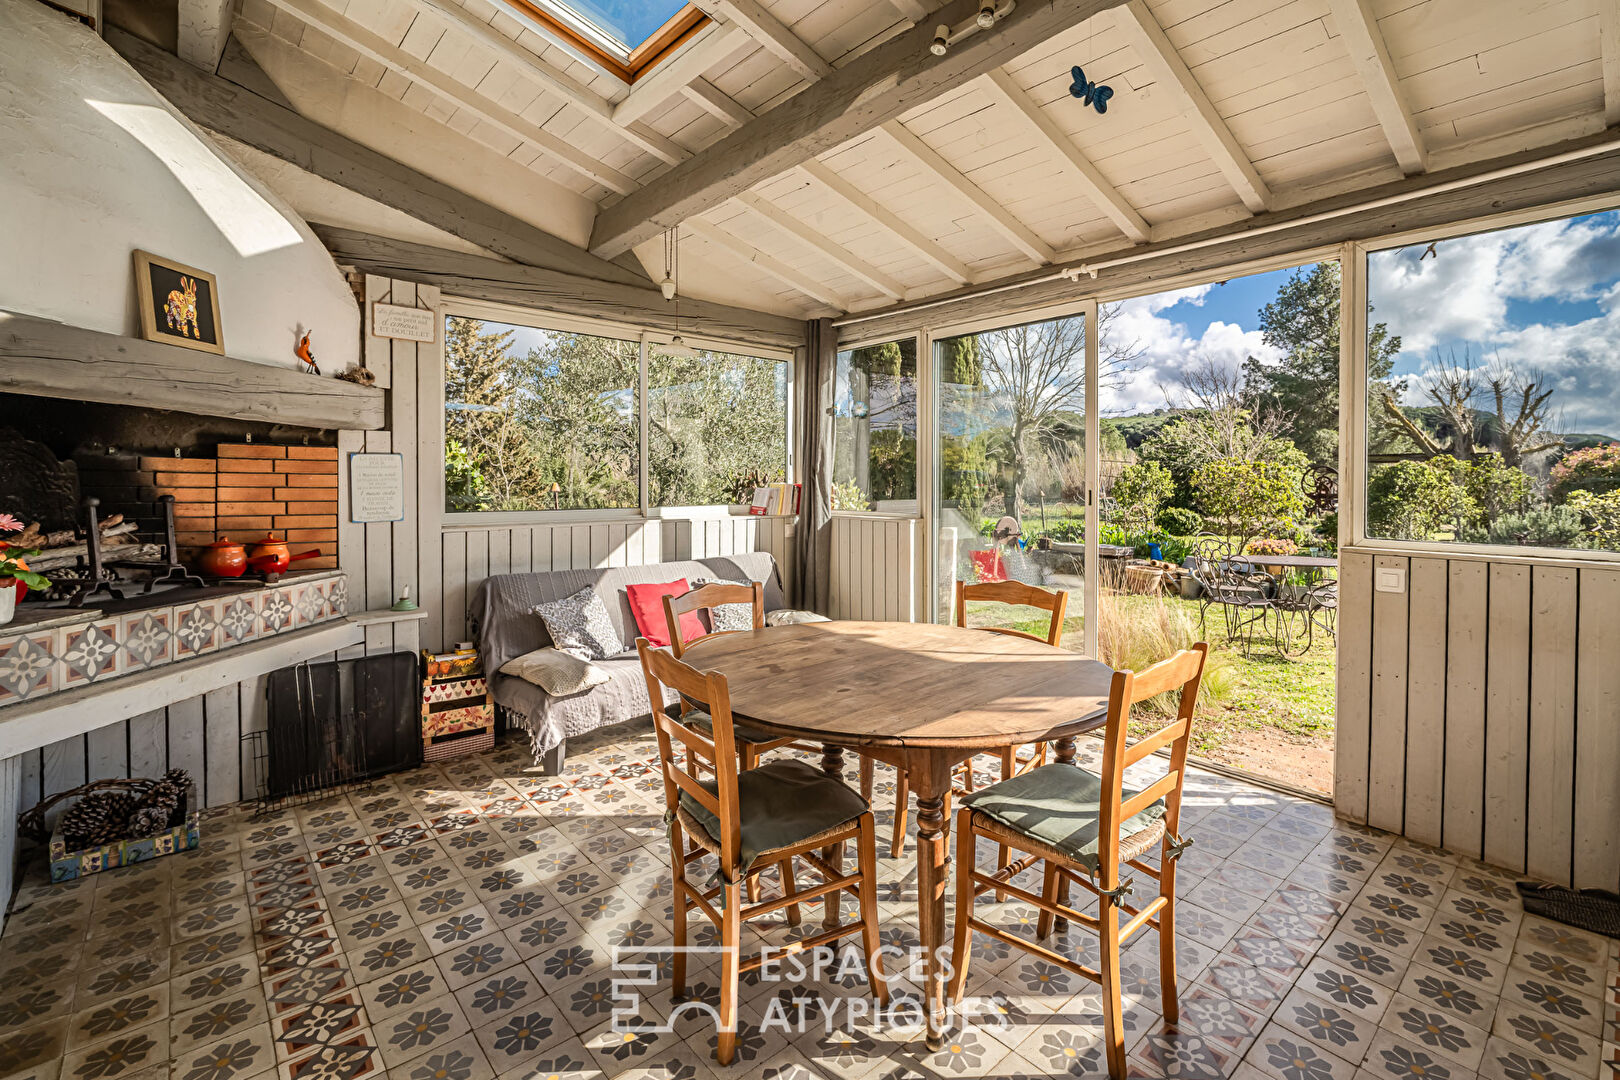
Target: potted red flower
(15, 577)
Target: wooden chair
(1052, 601)
(1084, 827)
(750, 821)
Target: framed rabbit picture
(179, 304)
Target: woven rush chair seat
(783, 804)
(1057, 810)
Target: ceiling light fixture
(988, 15)
(670, 287)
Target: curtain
(813, 393)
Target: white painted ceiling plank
(715, 101)
(595, 106)
(1097, 187)
(810, 237)
(1016, 232)
(368, 44)
(947, 264)
(914, 10)
(1159, 56)
(772, 36)
(759, 260)
(1609, 33)
(1358, 29)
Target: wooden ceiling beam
(203, 27)
(717, 103)
(1097, 188)
(1166, 66)
(758, 260)
(1358, 28)
(598, 108)
(915, 10)
(348, 32)
(222, 106)
(812, 238)
(874, 88)
(1018, 234)
(1609, 35)
(773, 36)
(929, 250)
(669, 78)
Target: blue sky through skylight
(629, 22)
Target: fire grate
(333, 725)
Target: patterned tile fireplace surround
(74, 649)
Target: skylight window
(625, 36)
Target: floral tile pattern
(460, 922)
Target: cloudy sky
(1543, 297)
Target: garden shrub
(1552, 526)
(849, 496)
(1595, 469)
(1266, 545)
(1414, 500)
(1601, 515)
(1250, 498)
(1142, 488)
(1179, 521)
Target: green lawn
(1271, 715)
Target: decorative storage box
(67, 865)
(457, 715)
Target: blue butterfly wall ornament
(1089, 92)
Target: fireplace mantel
(51, 359)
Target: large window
(1493, 387)
(716, 427)
(875, 427)
(540, 418)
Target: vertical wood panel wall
(1479, 710)
(877, 567)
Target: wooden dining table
(917, 696)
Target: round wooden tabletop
(905, 684)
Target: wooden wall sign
(402, 323)
(376, 487)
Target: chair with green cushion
(749, 821)
(1084, 828)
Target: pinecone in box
(101, 817)
(157, 807)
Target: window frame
(897, 509)
(1353, 405)
(646, 339)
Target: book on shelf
(776, 500)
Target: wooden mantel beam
(874, 88)
(1358, 27)
(224, 107)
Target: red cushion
(647, 604)
(989, 565)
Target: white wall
(96, 164)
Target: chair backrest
(1183, 671)
(707, 598)
(1052, 601)
(719, 749)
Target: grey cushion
(1058, 805)
(779, 805)
(498, 616)
(727, 617)
(579, 625)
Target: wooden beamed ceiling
(815, 150)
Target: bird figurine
(302, 351)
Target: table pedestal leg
(1064, 749)
(931, 780)
(832, 763)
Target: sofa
(500, 621)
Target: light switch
(1389, 579)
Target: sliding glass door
(1013, 482)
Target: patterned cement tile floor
(459, 922)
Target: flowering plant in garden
(1272, 546)
(1595, 469)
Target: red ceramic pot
(223, 558)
